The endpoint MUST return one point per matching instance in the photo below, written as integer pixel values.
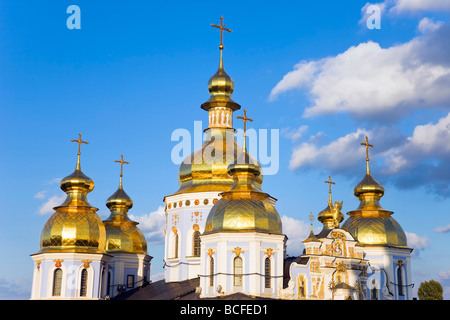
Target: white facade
(331, 269)
(247, 262)
(69, 276)
(127, 271)
(389, 275)
(186, 215)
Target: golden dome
(75, 225)
(328, 216)
(245, 207)
(122, 234)
(370, 224)
(207, 168)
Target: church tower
(203, 176)
(72, 258)
(243, 247)
(130, 265)
(384, 241)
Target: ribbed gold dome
(245, 207)
(75, 225)
(122, 234)
(370, 224)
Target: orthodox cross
(367, 145)
(329, 184)
(245, 119)
(121, 167)
(79, 141)
(222, 29)
(121, 164)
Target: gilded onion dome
(245, 207)
(370, 223)
(331, 216)
(122, 234)
(75, 225)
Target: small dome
(75, 225)
(119, 198)
(328, 219)
(370, 224)
(220, 86)
(122, 234)
(77, 181)
(245, 207)
(368, 184)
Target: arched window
(400, 281)
(57, 282)
(196, 244)
(267, 272)
(211, 272)
(237, 271)
(175, 253)
(83, 283)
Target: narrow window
(57, 282)
(83, 284)
(211, 272)
(175, 254)
(267, 273)
(130, 281)
(238, 271)
(196, 244)
(400, 281)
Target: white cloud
(40, 195)
(345, 152)
(443, 229)
(367, 80)
(296, 231)
(428, 141)
(423, 159)
(401, 6)
(444, 274)
(416, 242)
(294, 134)
(52, 202)
(153, 225)
(428, 25)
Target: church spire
(220, 104)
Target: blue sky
(137, 71)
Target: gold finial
(245, 119)
(121, 168)
(79, 141)
(367, 145)
(222, 29)
(329, 185)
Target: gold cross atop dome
(329, 184)
(80, 142)
(222, 29)
(245, 119)
(122, 162)
(367, 145)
